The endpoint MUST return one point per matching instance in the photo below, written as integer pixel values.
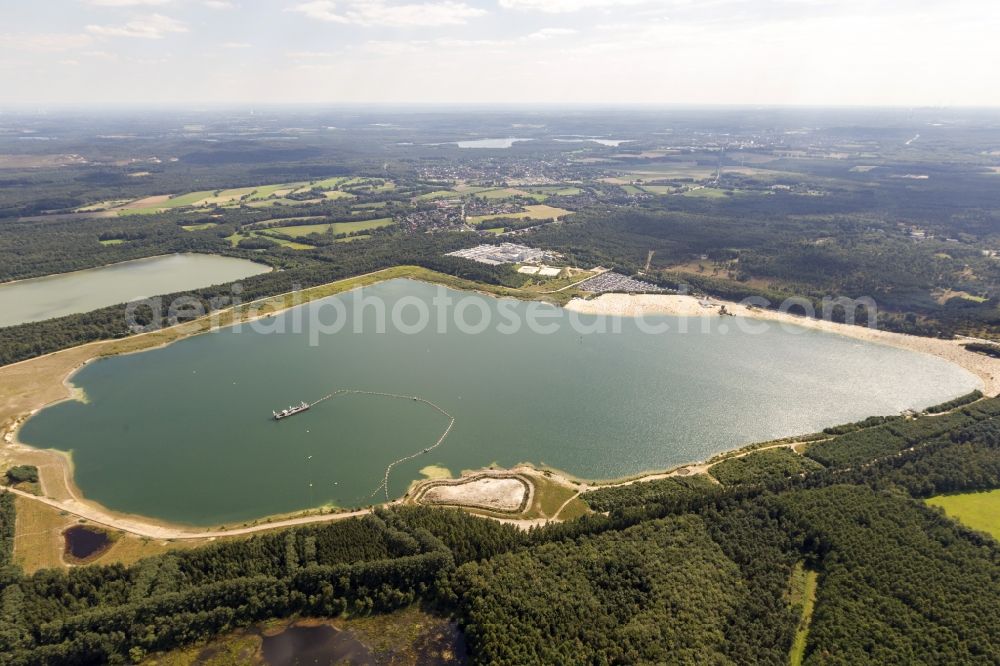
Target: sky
(757, 52)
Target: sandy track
(142, 528)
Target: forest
(680, 570)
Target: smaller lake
(490, 143)
(320, 644)
(83, 543)
(82, 291)
(614, 143)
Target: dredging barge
(291, 411)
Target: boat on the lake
(291, 411)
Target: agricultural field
(325, 184)
(659, 189)
(260, 196)
(337, 194)
(278, 190)
(673, 170)
(198, 227)
(439, 194)
(536, 212)
(554, 190)
(707, 193)
(508, 192)
(291, 245)
(282, 201)
(979, 511)
(337, 227)
(491, 193)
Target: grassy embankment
(38, 541)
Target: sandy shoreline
(986, 368)
(17, 401)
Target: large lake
(82, 291)
(185, 432)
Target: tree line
(680, 570)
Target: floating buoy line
(413, 398)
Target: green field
(659, 189)
(258, 196)
(189, 199)
(438, 194)
(325, 184)
(113, 241)
(198, 227)
(291, 245)
(267, 203)
(507, 192)
(265, 191)
(338, 227)
(802, 593)
(385, 187)
(555, 190)
(300, 218)
(337, 194)
(979, 511)
(707, 193)
(127, 212)
(536, 212)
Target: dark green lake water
(184, 433)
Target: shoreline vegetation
(28, 386)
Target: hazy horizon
(648, 53)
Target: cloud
(126, 3)
(549, 33)
(235, 45)
(220, 4)
(50, 42)
(102, 55)
(154, 26)
(305, 55)
(565, 6)
(381, 13)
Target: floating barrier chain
(385, 479)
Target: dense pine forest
(680, 570)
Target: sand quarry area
(986, 368)
(508, 494)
